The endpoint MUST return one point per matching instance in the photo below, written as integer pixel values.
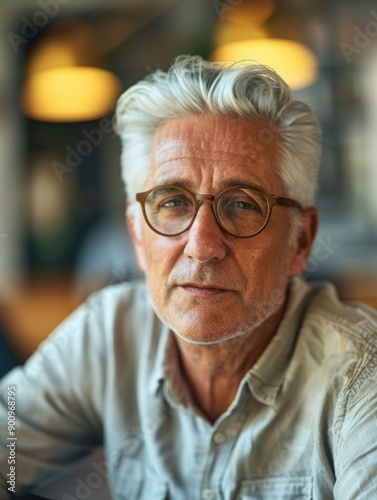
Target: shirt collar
(158, 372)
(167, 375)
(266, 377)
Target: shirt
(302, 425)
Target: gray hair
(246, 90)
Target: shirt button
(219, 438)
(208, 494)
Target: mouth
(203, 289)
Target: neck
(214, 372)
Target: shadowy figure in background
(106, 257)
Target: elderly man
(224, 375)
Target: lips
(200, 279)
(203, 288)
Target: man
(225, 376)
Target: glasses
(240, 211)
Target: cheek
(160, 253)
(265, 265)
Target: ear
(135, 234)
(305, 239)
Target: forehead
(214, 145)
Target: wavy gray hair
(193, 85)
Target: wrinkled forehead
(214, 137)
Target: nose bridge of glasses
(209, 197)
(201, 197)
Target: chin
(209, 336)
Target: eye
(171, 200)
(249, 205)
(173, 203)
(240, 201)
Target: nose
(205, 238)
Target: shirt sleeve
(356, 454)
(57, 398)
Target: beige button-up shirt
(303, 423)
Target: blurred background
(63, 64)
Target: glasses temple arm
(288, 202)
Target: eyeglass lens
(240, 211)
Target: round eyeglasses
(241, 211)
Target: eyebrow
(241, 182)
(228, 183)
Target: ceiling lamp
(64, 82)
(72, 93)
(293, 61)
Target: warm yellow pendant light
(293, 61)
(64, 81)
(72, 93)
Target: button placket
(208, 494)
(219, 437)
